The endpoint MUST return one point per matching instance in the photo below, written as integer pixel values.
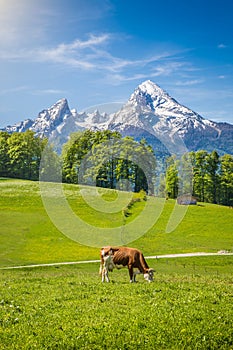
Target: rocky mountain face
(150, 113)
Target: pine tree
(172, 179)
(212, 177)
(199, 161)
(226, 180)
(4, 156)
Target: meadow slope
(188, 306)
(28, 236)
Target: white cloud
(222, 46)
(189, 82)
(73, 54)
(158, 69)
(48, 91)
(117, 79)
(13, 90)
(94, 54)
(23, 22)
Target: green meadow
(188, 306)
(28, 236)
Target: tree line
(20, 155)
(209, 175)
(106, 159)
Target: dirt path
(184, 255)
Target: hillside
(28, 236)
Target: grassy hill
(28, 236)
(188, 306)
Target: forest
(106, 159)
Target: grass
(28, 236)
(205, 227)
(186, 307)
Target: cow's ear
(114, 249)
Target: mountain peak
(60, 104)
(151, 88)
(149, 95)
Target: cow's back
(121, 257)
(127, 256)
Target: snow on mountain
(151, 107)
(51, 118)
(161, 117)
(150, 113)
(46, 121)
(19, 127)
(58, 122)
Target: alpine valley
(150, 113)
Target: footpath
(168, 256)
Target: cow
(117, 257)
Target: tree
(100, 166)
(172, 179)
(126, 165)
(4, 156)
(105, 159)
(226, 179)
(185, 174)
(133, 165)
(77, 148)
(199, 161)
(50, 165)
(24, 151)
(212, 177)
(145, 168)
(161, 188)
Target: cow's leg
(134, 276)
(105, 275)
(137, 272)
(131, 274)
(101, 269)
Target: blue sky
(98, 51)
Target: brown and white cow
(118, 257)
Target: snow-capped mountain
(150, 113)
(58, 122)
(47, 120)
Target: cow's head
(105, 251)
(149, 275)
